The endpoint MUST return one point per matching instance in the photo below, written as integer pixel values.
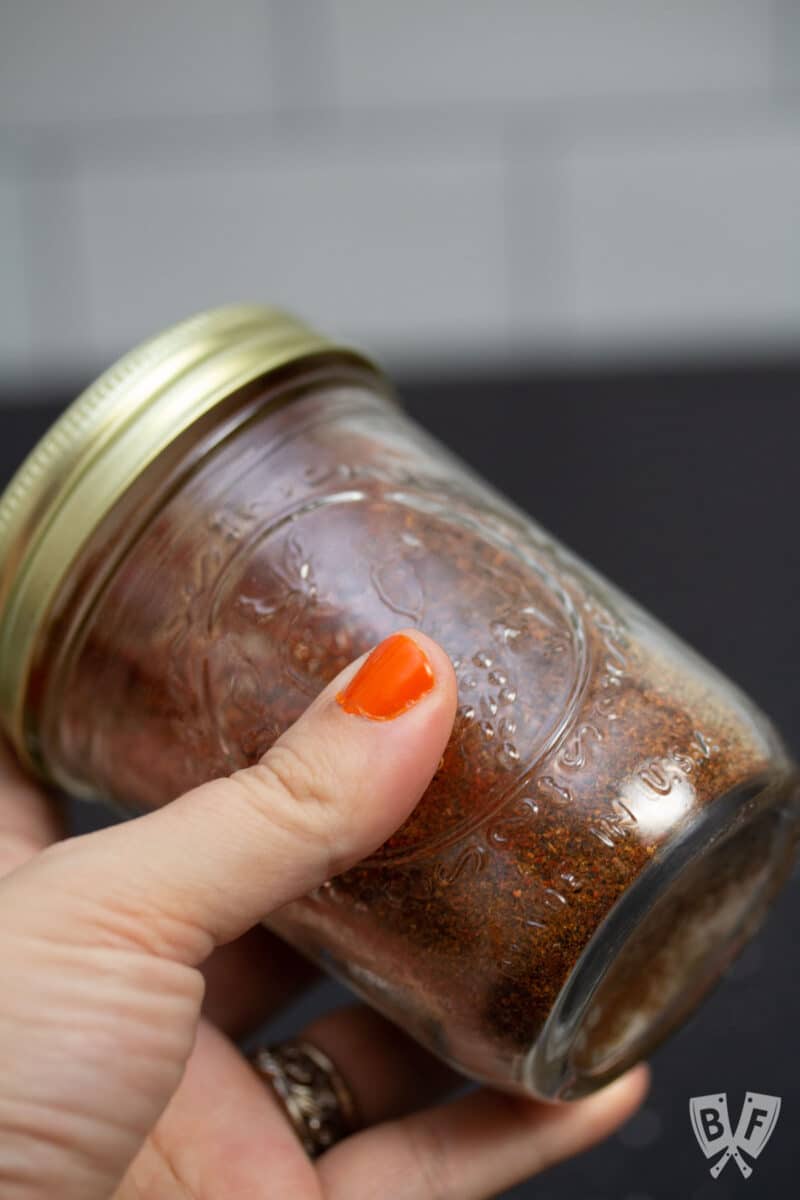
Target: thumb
(205, 868)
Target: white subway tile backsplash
(429, 179)
(15, 323)
(90, 60)
(514, 51)
(787, 45)
(682, 240)
(55, 272)
(388, 249)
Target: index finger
(29, 818)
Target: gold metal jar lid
(104, 441)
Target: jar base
(667, 942)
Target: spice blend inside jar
(610, 818)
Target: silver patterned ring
(318, 1103)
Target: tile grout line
(616, 118)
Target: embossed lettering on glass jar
(611, 817)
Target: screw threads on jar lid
(104, 441)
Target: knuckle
(294, 775)
(296, 795)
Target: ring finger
(387, 1073)
(29, 819)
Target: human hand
(131, 957)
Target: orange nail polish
(395, 676)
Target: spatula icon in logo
(712, 1128)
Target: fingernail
(395, 676)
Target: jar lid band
(104, 441)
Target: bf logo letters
(712, 1128)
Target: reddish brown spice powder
(587, 738)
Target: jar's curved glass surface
(609, 819)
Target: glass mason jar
(238, 509)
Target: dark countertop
(679, 486)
